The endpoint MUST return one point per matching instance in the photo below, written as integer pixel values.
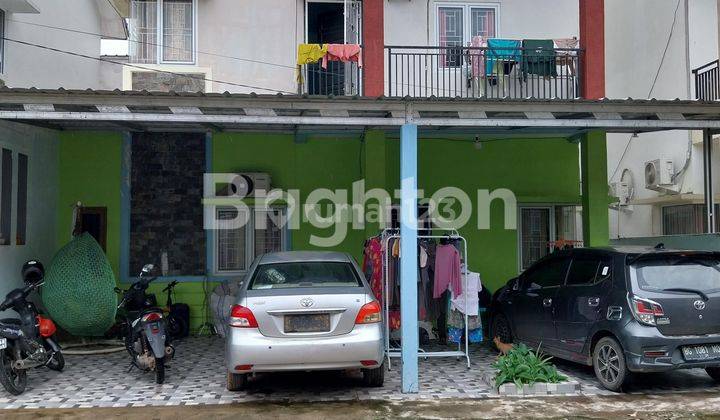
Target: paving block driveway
(197, 376)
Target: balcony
(480, 72)
(707, 81)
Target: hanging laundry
(311, 53)
(471, 293)
(447, 270)
(477, 56)
(373, 266)
(566, 55)
(539, 57)
(343, 52)
(499, 53)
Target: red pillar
(592, 40)
(373, 33)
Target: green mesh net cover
(79, 288)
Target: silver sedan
(300, 311)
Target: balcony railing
(707, 81)
(480, 72)
(338, 79)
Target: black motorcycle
(143, 327)
(27, 342)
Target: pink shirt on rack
(447, 271)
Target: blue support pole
(408, 260)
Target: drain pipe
(688, 84)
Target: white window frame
(467, 22)
(552, 208)
(159, 35)
(249, 241)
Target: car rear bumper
(247, 346)
(641, 339)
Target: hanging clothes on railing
(502, 54)
(566, 55)
(343, 52)
(539, 58)
(309, 54)
(477, 56)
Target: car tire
(714, 373)
(501, 328)
(609, 364)
(374, 378)
(236, 381)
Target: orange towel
(343, 52)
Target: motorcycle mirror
(148, 268)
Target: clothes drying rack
(395, 352)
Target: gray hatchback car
(620, 310)
(302, 311)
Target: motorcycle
(144, 329)
(27, 342)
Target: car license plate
(3, 343)
(702, 352)
(307, 323)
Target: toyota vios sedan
(302, 311)
(621, 310)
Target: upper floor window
(686, 219)
(459, 23)
(162, 31)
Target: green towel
(539, 57)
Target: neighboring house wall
(40, 146)
(636, 36)
(29, 66)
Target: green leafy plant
(521, 365)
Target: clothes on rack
(447, 270)
(456, 326)
(471, 293)
(373, 266)
(343, 52)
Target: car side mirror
(515, 284)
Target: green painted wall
(89, 172)
(538, 171)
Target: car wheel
(501, 329)
(236, 381)
(374, 377)
(714, 373)
(609, 364)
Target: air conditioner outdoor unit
(246, 184)
(659, 173)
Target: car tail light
(369, 313)
(646, 311)
(368, 363)
(242, 317)
(243, 367)
(655, 353)
(46, 326)
(152, 316)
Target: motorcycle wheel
(13, 380)
(160, 370)
(57, 362)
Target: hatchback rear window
(304, 274)
(684, 272)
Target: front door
(582, 301)
(535, 305)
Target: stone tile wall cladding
(166, 212)
(166, 82)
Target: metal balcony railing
(338, 79)
(707, 81)
(480, 72)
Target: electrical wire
(105, 60)
(652, 87)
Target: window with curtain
(458, 24)
(236, 248)
(542, 226)
(686, 219)
(162, 31)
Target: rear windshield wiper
(686, 290)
